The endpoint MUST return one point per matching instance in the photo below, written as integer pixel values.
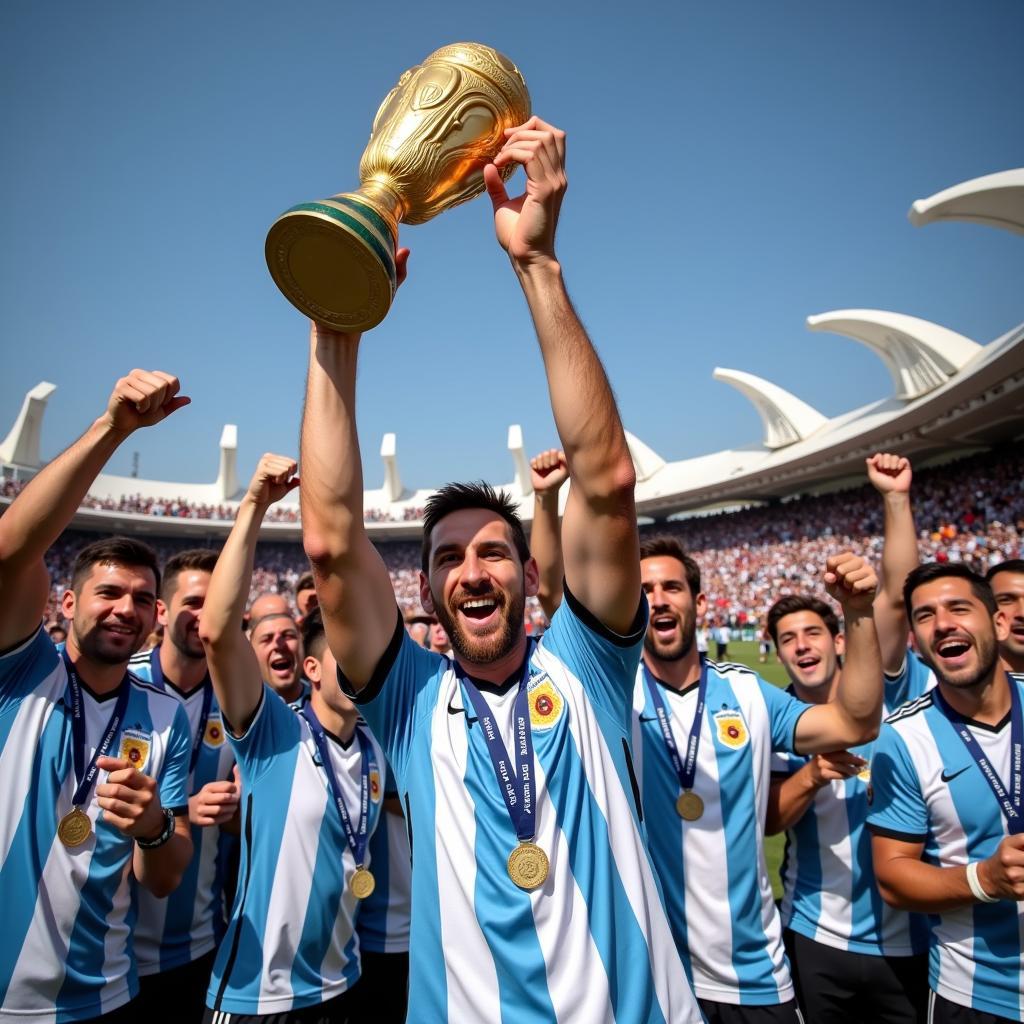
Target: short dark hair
(1015, 565)
(455, 497)
(304, 582)
(931, 571)
(114, 551)
(794, 603)
(191, 560)
(664, 545)
(314, 636)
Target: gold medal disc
(362, 884)
(689, 806)
(74, 828)
(528, 866)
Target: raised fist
(143, 398)
(889, 474)
(850, 581)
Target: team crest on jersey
(374, 785)
(732, 730)
(135, 747)
(865, 773)
(213, 735)
(546, 703)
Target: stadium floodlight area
(996, 200)
(950, 395)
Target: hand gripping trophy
(435, 131)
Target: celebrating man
(533, 895)
(95, 762)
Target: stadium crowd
(300, 805)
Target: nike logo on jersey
(461, 711)
(648, 718)
(947, 777)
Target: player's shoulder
(162, 705)
(735, 673)
(912, 709)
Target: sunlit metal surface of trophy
(334, 259)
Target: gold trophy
(334, 259)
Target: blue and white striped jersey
(713, 870)
(187, 924)
(927, 789)
(68, 913)
(383, 918)
(593, 942)
(829, 890)
(291, 940)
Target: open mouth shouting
(480, 613)
(665, 627)
(953, 652)
(282, 666)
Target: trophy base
(335, 261)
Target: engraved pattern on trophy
(334, 259)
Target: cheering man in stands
(534, 897)
(95, 762)
(312, 784)
(946, 812)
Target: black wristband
(165, 835)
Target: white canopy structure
(919, 355)
(21, 446)
(995, 199)
(786, 418)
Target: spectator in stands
(305, 595)
(438, 640)
(58, 634)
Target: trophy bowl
(334, 258)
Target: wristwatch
(165, 835)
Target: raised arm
(233, 666)
(38, 516)
(891, 475)
(600, 544)
(352, 582)
(853, 715)
(548, 471)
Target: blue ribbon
(515, 778)
(85, 776)
(356, 836)
(1009, 801)
(686, 771)
(158, 677)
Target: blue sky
(733, 168)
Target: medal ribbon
(357, 836)
(686, 771)
(1010, 802)
(85, 776)
(516, 778)
(158, 677)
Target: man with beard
(853, 957)
(946, 818)
(534, 897)
(94, 761)
(312, 781)
(176, 937)
(1007, 582)
(703, 735)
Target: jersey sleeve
(912, 681)
(897, 806)
(399, 695)
(784, 711)
(273, 729)
(24, 667)
(603, 661)
(784, 764)
(173, 779)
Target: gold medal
(74, 828)
(528, 866)
(689, 806)
(362, 884)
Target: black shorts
(334, 1011)
(381, 995)
(942, 1011)
(731, 1013)
(836, 986)
(183, 988)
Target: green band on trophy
(385, 257)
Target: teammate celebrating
(533, 895)
(95, 761)
(312, 790)
(175, 938)
(1007, 582)
(703, 733)
(946, 816)
(852, 956)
